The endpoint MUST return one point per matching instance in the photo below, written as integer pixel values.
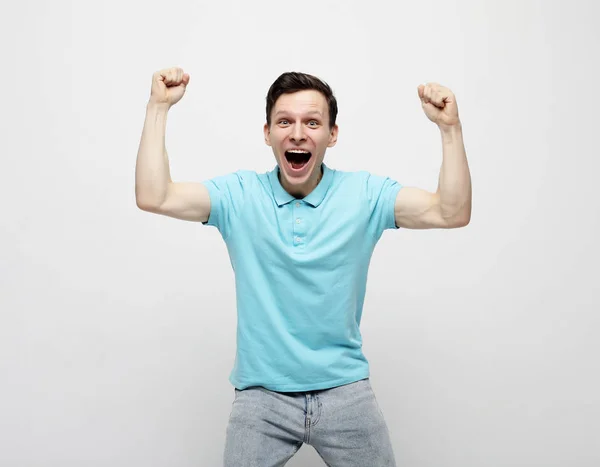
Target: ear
(267, 133)
(333, 136)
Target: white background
(117, 327)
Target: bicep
(419, 209)
(188, 201)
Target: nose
(297, 133)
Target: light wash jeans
(344, 424)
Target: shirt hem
(303, 387)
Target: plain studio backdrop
(117, 326)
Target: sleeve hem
(213, 194)
(394, 195)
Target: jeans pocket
(368, 382)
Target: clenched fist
(439, 104)
(168, 86)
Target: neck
(306, 189)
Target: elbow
(148, 200)
(461, 220)
(456, 216)
(143, 205)
(146, 203)
(462, 223)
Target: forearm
(152, 174)
(454, 186)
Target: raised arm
(450, 206)
(154, 190)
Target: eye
(283, 122)
(315, 123)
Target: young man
(300, 239)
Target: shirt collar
(314, 198)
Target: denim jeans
(344, 424)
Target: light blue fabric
(344, 425)
(300, 271)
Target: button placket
(299, 230)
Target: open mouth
(297, 158)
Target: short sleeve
(381, 195)
(227, 195)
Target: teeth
(298, 151)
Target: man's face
(299, 135)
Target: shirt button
(297, 221)
(297, 205)
(298, 239)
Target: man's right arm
(154, 190)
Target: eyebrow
(312, 112)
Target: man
(300, 239)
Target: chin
(297, 179)
(299, 168)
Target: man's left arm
(450, 206)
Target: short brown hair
(293, 81)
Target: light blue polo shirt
(300, 273)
